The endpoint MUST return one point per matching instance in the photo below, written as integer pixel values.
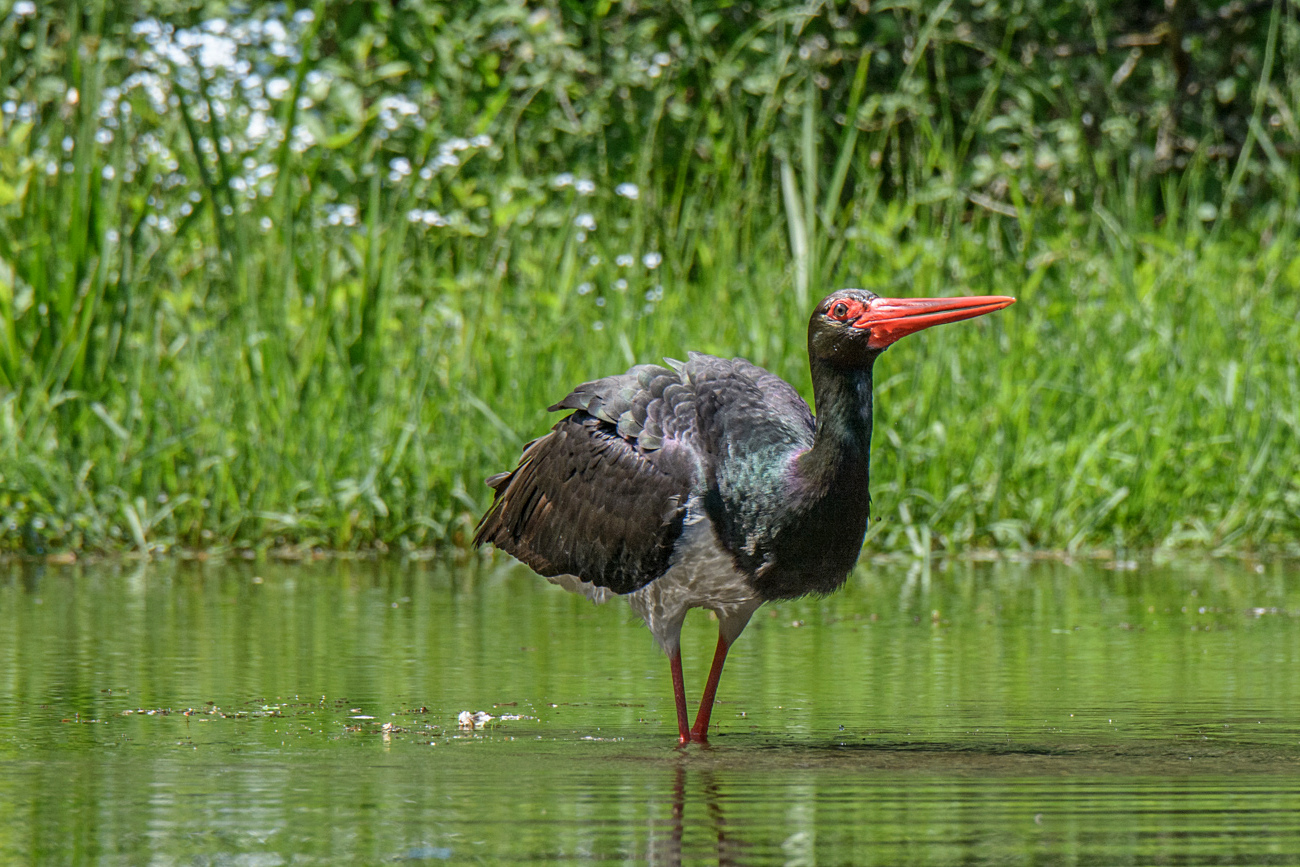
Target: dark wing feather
(745, 410)
(603, 495)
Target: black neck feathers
(842, 444)
(820, 535)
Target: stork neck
(817, 529)
(842, 442)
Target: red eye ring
(840, 311)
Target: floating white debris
(473, 720)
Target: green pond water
(966, 713)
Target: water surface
(972, 713)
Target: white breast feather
(701, 574)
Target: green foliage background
(304, 274)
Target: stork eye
(840, 310)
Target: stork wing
(603, 495)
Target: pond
(948, 713)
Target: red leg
(679, 693)
(700, 733)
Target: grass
(328, 337)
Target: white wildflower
(274, 30)
(628, 191)
(257, 127)
(301, 139)
(426, 217)
(341, 215)
(399, 104)
(278, 88)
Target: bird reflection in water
(665, 843)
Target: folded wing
(603, 495)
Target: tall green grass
(334, 350)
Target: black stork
(709, 483)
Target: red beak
(892, 318)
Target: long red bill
(892, 318)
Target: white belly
(700, 575)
